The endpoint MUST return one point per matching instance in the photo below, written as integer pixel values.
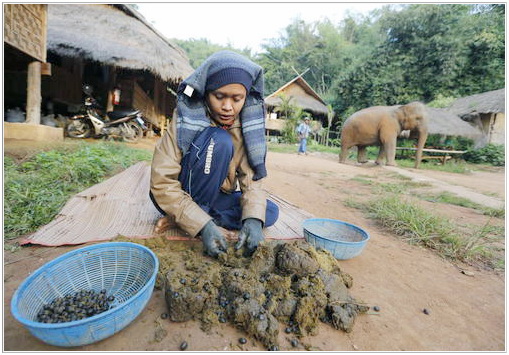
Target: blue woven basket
(343, 240)
(126, 270)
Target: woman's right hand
(213, 240)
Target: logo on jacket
(208, 158)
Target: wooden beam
(34, 98)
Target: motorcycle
(126, 125)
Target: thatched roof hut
(486, 111)
(487, 102)
(108, 34)
(445, 123)
(302, 95)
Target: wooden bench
(441, 154)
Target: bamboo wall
(25, 28)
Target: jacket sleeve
(166, 187)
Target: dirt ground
(466, 303)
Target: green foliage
(200, 49)
(449, 142)
(36, 190)
(440, 101)
(493, 154)
(291, 114)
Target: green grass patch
(421, 227)
(394, 188)
(36, 189)
(363, 180)
(293, 148)
(493, 212)
(406, 219)
(353, 202)
(447, 197)
(282, 148)
(458, 167)
(400, 177)
(486, 244)
(323, 149)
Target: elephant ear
(413, 114)
(401, 113)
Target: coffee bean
(183, 345)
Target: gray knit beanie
(229, 76)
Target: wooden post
(112, 82)
(34, 98)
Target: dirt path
(466, 310)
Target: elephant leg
(344, 152)
(388, 137)
(381, 155)
(361, 154)
(390, 152)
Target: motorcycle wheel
(134, 132)
(79, 129)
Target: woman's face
(226, 103)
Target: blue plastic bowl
(343, 240)
(126, 270)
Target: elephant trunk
(423, 135)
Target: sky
(241, 24)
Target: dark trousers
(204, 168)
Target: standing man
(303, 130)
(215, 143)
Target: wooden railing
(441, 154)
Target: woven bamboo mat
(120, 206)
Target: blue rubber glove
(213, 240)
(250, 235)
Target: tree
(291, 114)
(428, 51)
(200, 49)
(485, 57)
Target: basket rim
(337, 221)
(36, 273)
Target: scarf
(192, 113)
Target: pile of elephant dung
(289, 282)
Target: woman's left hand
(250, 235)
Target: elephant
(381, 125)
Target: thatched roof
(487, 102)
(443, 122)
(114, 35)
(303, 96)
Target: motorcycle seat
(114, 115)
